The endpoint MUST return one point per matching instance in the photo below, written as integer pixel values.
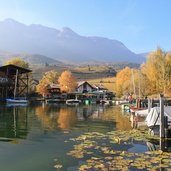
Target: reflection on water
(162, 144)
(45, 115)
(31, 137)
(14, 119)
(122, 121)
(36, 134)
(67, 118)
(13, 122)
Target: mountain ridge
(32, 59)
(63, 45)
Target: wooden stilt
(162, 134)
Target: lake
(35, 138)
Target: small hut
(14, 81)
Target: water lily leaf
(58, 166)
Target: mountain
(32, 59)
(64, 45)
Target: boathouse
(14, 81)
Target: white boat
(16, 101)
(73, 101)
(153, 117)
(120, 102)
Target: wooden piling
(162, 134)
(166, 126)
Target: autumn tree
(21, 63)
(158, 71)
(18, 62)
(48, 78)
(131, 81)
(123, 81)
(67, 82)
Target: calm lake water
(32, 138)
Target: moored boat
(54, 100)
(73, 101)
(16, 100)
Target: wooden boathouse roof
(11, 69)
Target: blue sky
(142, 25)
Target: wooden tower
(14, 81)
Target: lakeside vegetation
(153, 77)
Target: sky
(142, 25)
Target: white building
(84, 87)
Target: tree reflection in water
(67, 118)
(52, 117)
(45, 115)
(122, 121)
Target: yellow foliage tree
(67, 82)
(131, 81)
(158, 71)
(48, 78)
(18, 62)
(123, 81)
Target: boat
(54, 100)
(72, 101)
(120, 102)
(153, 120)
(16, 101)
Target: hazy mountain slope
(63, 44)
(32, 59)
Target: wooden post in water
(149, 105)
(166, 126)
(162, 134)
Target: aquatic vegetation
(100, 152)
(58, 166)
